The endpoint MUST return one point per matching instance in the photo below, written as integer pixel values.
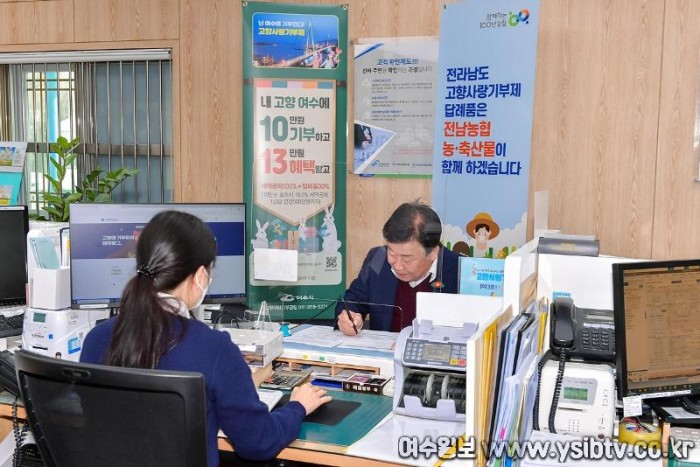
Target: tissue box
(51, 289)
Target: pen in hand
(352, 321)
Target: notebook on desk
(270, 397)
(671, 411)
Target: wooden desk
(6, 418)
(317, 453)
(302, 451)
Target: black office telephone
(580, 332)
(574, 333)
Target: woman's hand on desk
(347, 326)
(261, 374)
(311, 397)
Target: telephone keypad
(597, 340)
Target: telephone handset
(562, 330)
(582, 333)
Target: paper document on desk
(679, 413)
(380, 340)
(319, 336)
(326, 336)
(382, 443)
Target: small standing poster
(481, 276)
(12, 155)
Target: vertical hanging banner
(295, 101)
(483, 125)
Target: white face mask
(203, 289)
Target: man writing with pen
(411, 261)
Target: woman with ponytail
(154, 329)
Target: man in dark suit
(413, 260)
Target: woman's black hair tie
(145, 270)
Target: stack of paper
(516, 380)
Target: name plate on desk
(568, 246)
(365, 383)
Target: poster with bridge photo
(283, 40)
(294, 141)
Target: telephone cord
(557, 390)
(19, 434)
(536, 406)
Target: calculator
(285, 379)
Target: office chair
(88, 415)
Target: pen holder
(284, 328)
(51, 289)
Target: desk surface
(6, 411)
(316, 453)
(372, 409)
(302, 451)
(327, 445)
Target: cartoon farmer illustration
(482, 229)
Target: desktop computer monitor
(103, 249)
(14, 226)
(657, 328)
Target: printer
(258, 346)
(430, 370)
(59, 333)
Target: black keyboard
(11, 325)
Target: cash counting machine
(430, 370)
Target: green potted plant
(95, 188)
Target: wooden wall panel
(177, 123)
(595, 120)
(126, 20)
(211, 101)
(372, 200)
(613, 125)
(36, 22)
(677, 204)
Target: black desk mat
(330, 414)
